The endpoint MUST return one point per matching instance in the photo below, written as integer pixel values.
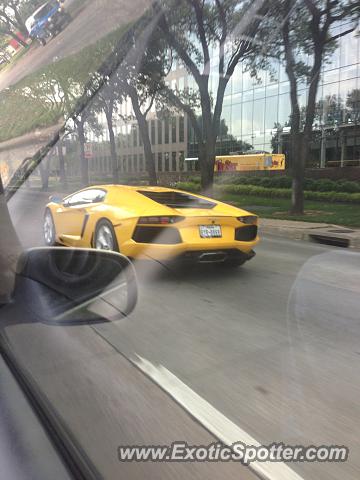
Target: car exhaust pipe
(212, 257)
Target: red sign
(88, 150)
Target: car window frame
(67, 201)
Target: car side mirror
(55, 199)
(70, 286)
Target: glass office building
(256, 111)
(256, 115)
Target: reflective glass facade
(256, 115)
(256, 111)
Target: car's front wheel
(49, 229)
(104, 237)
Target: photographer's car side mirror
(71, 285)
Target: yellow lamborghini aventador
(152, 223)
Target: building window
(159, 165)
(153, 141)
(141, 162)
(135, 163)
(258, 116)
(181, 130)
(181, 161)
(173, 162)
(134, 132)
(271, 109)
(129, 163)
(173, 129)
(148, 128)
(167, 126)
(159, 132)
(166, 162)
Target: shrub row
(260, 191)
(188, 186)
(321, 185)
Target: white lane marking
(219, 425)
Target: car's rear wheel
(49, 229)
(104, 237)
(42, 41)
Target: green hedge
(322, 185)
(188, 186)
(274, 192)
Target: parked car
(47, 21)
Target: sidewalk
(319, 232)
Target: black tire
(42, 41)
(104, 233)
(49, 231)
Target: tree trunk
(148, 154)
(44, 168)
(298, 174)
(20, 22)
(62, 171)
(207, 162)
(302, 146)
(84, 164)
(297, 166)
(115, 171)
(297, 163)
(144, 133)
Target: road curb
(326, 234)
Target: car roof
(34, 13)
(136, 188)
(135, 197)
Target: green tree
(353, 104)
(306, 31)
(203, 36)
(136, 70)
(7, 28)
(107, 101)
(4, 56)
(10, 14)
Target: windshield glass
(45, 10)
(216, 145)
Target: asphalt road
(95, 20)
(273, 346)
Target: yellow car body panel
(124, 205)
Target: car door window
(94, 195)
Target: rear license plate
(210, 231)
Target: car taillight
(248, 219)
(159, 220)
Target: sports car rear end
(192, 228)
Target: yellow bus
(250, 162)
(245, 163)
